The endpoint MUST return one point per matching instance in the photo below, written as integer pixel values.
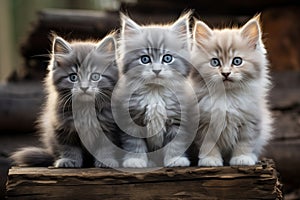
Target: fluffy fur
(235, 122)
(154, 93)
(79, 84)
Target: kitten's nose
(225, 74)
(156, 71)
(84, 88)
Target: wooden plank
(20, 102)
(254, 182)
(286, 155)
(72, 24)
(229, 7)
(4, 166)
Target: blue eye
(145, 59)
(215, 62)
(167, 58)
(95, 77)
(73, 77)
(237, 61)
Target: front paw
(109, 162)
(67, 163)
(242, 160)
(178, 162)
(135, 163)
(210, 161)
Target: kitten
(79, 85)
(231, 82)
(153, 93)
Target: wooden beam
(254, 182)
(204, 7)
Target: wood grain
(254, 182)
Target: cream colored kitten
(231, 82)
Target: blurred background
(25, 42)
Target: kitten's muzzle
(156, 71)
(84, 89)
(225, 74)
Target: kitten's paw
(109, 162)
(135, 163)
(210, 161)
(242, 160)
(67, 163)
(178, 162)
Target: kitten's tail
(33, 157)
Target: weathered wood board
(254, 182)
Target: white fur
(155, 116)
(211, 161)
(135, 163)
(67, 163)
(178, 162)
(235, 120)
(243, 160)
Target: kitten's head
(155, 53)
(84, 70)
(233, 57)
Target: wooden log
(253, 182)
(229, 7)
(20, 104)
(286, 155)
(4, 166)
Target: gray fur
(59, 133)
(33, 156)
(153, 111)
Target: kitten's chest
(86, 116)
(228, 106)
(153, 99)
(155, 102)
(228, 116)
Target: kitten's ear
(251, 31)
(182, 24)
(201, 32)
(128, 25)
(107, 45)
(60, 46)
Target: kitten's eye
(215, 62)
(145, 59)
(167, 58)
(237, 61)
(95, 77)
(73, 77)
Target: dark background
(25, 29)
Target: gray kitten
(79, 85)
(153, 93)
(232, 83)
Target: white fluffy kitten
(153, 93)
(231, 82)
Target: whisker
(41, 55)
(66, 100)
